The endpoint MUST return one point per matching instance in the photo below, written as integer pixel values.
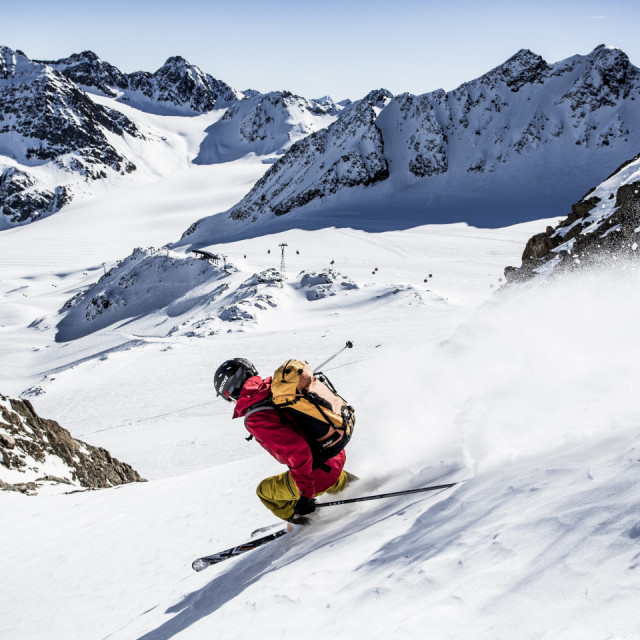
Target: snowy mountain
(468, 154)
(264, 124)
(604, 226)
(36, 452)
(177, 88)
(252, 123)
(181, 295)
(484, 139)
(51, 132)
(102, 122)
(86, 69)
(346, 154)
(144, 283)
(543, 430)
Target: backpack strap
(268, 405)
(264, 405)
(313, 399)
(317, 462)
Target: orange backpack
(315, 407)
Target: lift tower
(282, 246)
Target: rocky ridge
(523, 109)
(264, 124)
(176, 87)
(36, 452)
(46, 120)
(348, 153)
(22, 200)
(604, 226)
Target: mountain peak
(605, 49)
(607, 56)
(378, 97)
(524, 67)
(607, 76)
(177, 61)
(88, 70)
(525, 57)
(86, 55)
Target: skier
(289, 495)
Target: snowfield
(526, 394)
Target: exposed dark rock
(28, 488)
(539, 245)
(594, 231)
(28, 441)
(7, 441)
(583, 208)
(88, 70)
(20, 203)
(54, 121)
(354, 156)
(176, 84)
(525, 67)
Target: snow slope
(523, 402)
(531, 401)
(264, 124)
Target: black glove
(304, 506)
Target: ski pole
(335, 355)
(388, 495)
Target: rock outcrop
(603, 225)
(323, 284)
(35, 451)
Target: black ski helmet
(230, 377)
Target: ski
(202, 563)
(263, 530)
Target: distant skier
(289, 495)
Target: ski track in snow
(529, 395)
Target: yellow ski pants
(280, 493)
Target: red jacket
(284, 441)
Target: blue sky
(338, 47)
